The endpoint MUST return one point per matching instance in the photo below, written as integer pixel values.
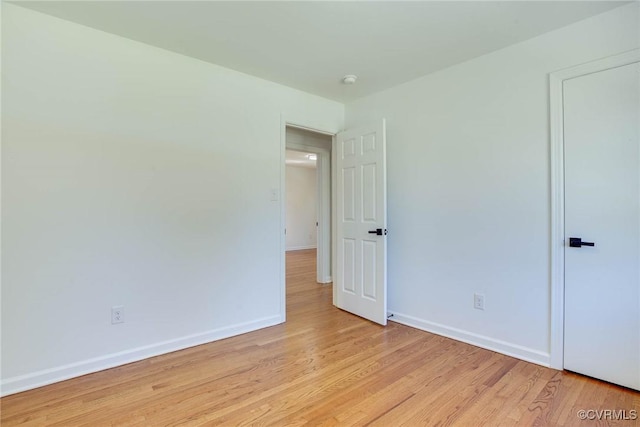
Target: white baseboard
(326, 280)
(65, 372)
(301, 248)
(509, 349)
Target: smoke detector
(349, 79)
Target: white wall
(468, 182)
(301, 213)
(136, 176)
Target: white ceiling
(299, 158)
(312, 45)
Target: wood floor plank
(324, 367)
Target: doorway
(306, 151)
(358, 154)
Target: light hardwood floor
(323, 367)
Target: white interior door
(361, 230)
(602, 207)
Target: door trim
(287, 120)
(556, 125)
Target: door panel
(369, 259)
(349, 195)
(602, 205)
(369, 194)
(349, 269)
(361, 258)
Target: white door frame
(556, 120)
(295, 122)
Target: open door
(361, 229)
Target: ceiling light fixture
(312, 156)
(349, 79)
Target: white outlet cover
(117, 314)
(478, 301)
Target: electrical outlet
(117, 314)
(478, 301)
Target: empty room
(316, 213)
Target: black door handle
(576, 242)
(378, 231)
